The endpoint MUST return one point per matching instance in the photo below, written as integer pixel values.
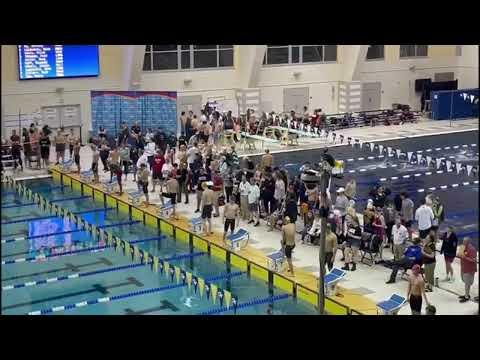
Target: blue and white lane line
(89, 249)
(69, 231)
(36, 190)
(96, 272)
(127, 295)
(252, 302)
(10, 205)
(56, 216)
(449, 186)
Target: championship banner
(109, 239)
(136, 253)
(469, 169)
(89, 228)
(438, 161)
(367, 145)
(228, 298)
(453, 165)
(126, 246)
(474, 171)
(145, 257)
(177, 274)
(389, 150)
(96, 232)
(398, 151)
(429, 160)
(341, 139)
(155, 264)
(449, 165)
(183, 275)
(234, 304)
(207, 290)
(409, 155)
(380, 149)
(214, 291)
(118, 243)
(372, 146)
(161, 265)
(172, 273)
(414, 159)
(459, 166)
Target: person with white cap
(341, 203)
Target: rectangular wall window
(187, 57)
(299, 54)
(376, 52)
(407, 51)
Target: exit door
(371, 96)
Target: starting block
(134, 196)
(66, 165)
(87, 176)
(276, 261)
(109, 186)
(238, 240)
(332, 278)
(392, 305)
(166, 210)
(196, 225)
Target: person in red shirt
(468, 267)
(157, 165)
(218, 190)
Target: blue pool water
(125, 279)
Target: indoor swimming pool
(49, 263)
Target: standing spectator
(341, 203)
(44, 148)
(288, 242)
(291, 209)
(136, 129)
(113, 161)
(244, 189)
(438, 213)
(16, 150)
(228, 182)
(468, 266)
(407, 212)
(59, 140)
(125, 158)
(368, 217)
(218, 190)
(192, 155)
(429, 260)
(379, 225)
(267, 161)
(311, 226)
(35, 147)
(449, 251)
(389, 215)
(72, 139)
(352, 249)
(424, 216)
(268, 190)
(95, 157)
(230, 215)
(142, 182)
(253, 199)
(157, 165)
(104, 155)
(280, 189)
(400, 237)
(182, 175)
(331, 244)
(76, 154)
(134, 159)
(199, 178)
(171, 193)
(150, 151)
(416, 289)
(207, 207)
(249, 168)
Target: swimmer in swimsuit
(416, 289)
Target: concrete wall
(28, 96)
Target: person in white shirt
(149, 150)
(316, 227)
(253, 196)
(424, 217)
(203, 117)
(400, 236)
(244, 189)
(279, 194)
(192, 154)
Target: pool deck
(361, 289)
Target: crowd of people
(260, 192)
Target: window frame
(415, 56)
(300, 56)
(191, 52)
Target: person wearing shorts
(416, 290)
(95, 158)
(468, 266)
(60, 142)
(230, 214)
(253, 200)
(208, 197)
(288, 242)
(449, 251)
(171, 193)
(142, 182)
(76, 154)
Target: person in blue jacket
(412, 255)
